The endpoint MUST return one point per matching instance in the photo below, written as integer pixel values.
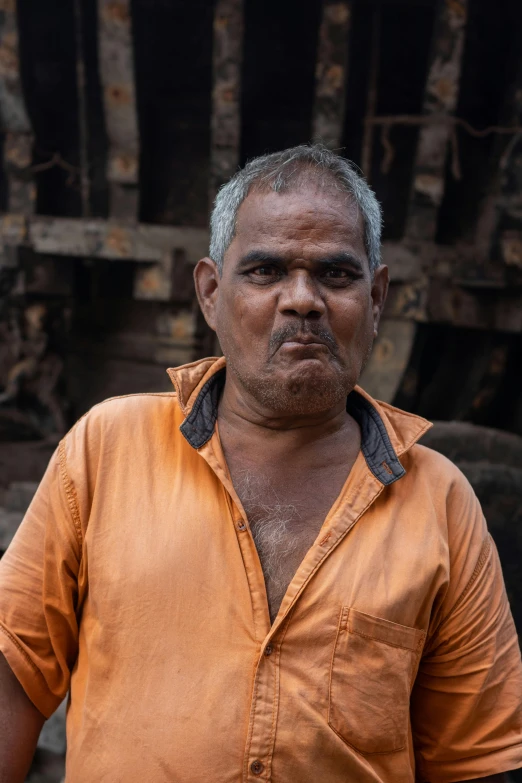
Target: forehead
(305, 221)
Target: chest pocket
(373, 668)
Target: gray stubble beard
(299, 396)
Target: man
(260, 576)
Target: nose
(300, 296)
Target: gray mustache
(298, 330)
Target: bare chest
(285, 516)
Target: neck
(240, 412)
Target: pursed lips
(305, 341)
(293, 338)
(312, 340)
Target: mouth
(304, 340)
(303, 344)
(305, 347)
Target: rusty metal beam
(13, 113)
(116, 61)
(226, 92)
(440, 98)
(331, 72)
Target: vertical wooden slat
(508, 223)
(371, 101)
(500, 217)
(83, 141)
(227, 60)
(14, 118)
(331, 72)
(116, 61)
(440, 101)
(226, 92)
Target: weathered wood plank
(331, 72)
(13, 230)
(14, 117)
(390, 356)
(499, 228)
(371, 99)
(442, 300)
(404, 262)
(116, 61)
(98, 238)
(12, 105)
(81, 97)
(226, 92)
(474, 308)
(147, 348)
(154, 281)
(407, 300)
(440, 98)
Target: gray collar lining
(376, 446)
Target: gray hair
(278, 172)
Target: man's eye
(265, 271)
(336, 274)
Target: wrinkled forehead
(308, 215)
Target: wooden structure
(121, 120)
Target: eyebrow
(265, 257)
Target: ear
(379, 291)
(206, 282)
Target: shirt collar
(386, 432)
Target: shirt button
(241, 525)
(257, 767)
(269, 649)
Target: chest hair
(282, 533)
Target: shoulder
(441, 486)
(118, 409)
(124, 422)
(431, 475)
(440, 471)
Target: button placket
(265, 707)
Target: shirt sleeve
(39, 591)
(467, 700)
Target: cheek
(353, 322)
(244, 319)
(255, 312)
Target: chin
(307, 389)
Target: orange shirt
(135, 583)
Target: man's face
(295, 308)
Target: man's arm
(20, 725)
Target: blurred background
(119, 119)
